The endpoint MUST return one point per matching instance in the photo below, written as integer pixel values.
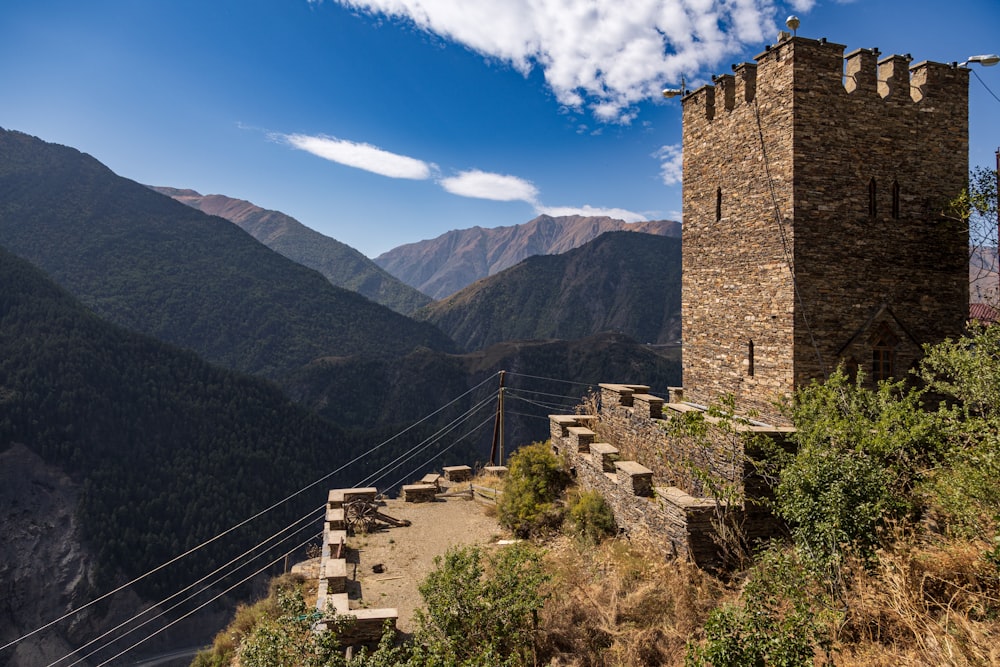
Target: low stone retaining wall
(647, 473)
(366, 628)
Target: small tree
(591, 517)
(478, 616)
(976, 210)
(534, 483)
(860, 454)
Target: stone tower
(812, 234)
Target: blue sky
(383, 122)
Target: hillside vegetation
(626, 282)
(341, 264)
(154, 265)
(892, 556)
(444, 265)
(168, 449)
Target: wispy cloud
(486, 185)
(361, 156)
(671, 160)
(604, 54)
(617, 213)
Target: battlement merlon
(860, 72)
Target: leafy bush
(478, 617)
(534, 483)
(591, 517)
(778, 623)
(860, 454)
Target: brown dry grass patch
(622, 604)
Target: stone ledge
(335, 518)
(581, 437)
(337, 497)
(419, 493)
(635, 476)
(604, 455)
(647, 405)
(457, 473)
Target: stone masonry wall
(781, 159)
(647, 475)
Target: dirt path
(407, 554)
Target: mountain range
(341, 264)
(118, 305)
(627, 282)
(442, 266)
(153, 265)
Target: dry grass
(924, 604)
(622, 604)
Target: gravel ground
(407, 554)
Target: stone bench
(431, 478)
(496, 471)
(457, 473)
(605, 455)
(636, 477)
(419, 493)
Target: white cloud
(485, 185)
(802, 5)
(586, 210)
(671, 161)
(361, 156)
(605, 54)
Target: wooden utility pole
(498, 426)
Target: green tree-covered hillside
(627, 282)
(154, 265)
(168, 449)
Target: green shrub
(534, 483)
(861, 453)
(779, 621)
(480, 616)
(591, 517)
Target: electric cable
(310, 516)
(457, 440)
(237, 526)
(209, 601)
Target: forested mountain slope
(154, 265)
(444, 265)
(621, 281)
(145, 447)
(168, 449)
(544, 377)
(341, 264)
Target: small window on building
(718, 204)
(884, 354)
(872, 205)
(750, 369)
(895, 200)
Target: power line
(310, 516)
(209, 601)
(239, 525)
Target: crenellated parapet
(822, 70)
